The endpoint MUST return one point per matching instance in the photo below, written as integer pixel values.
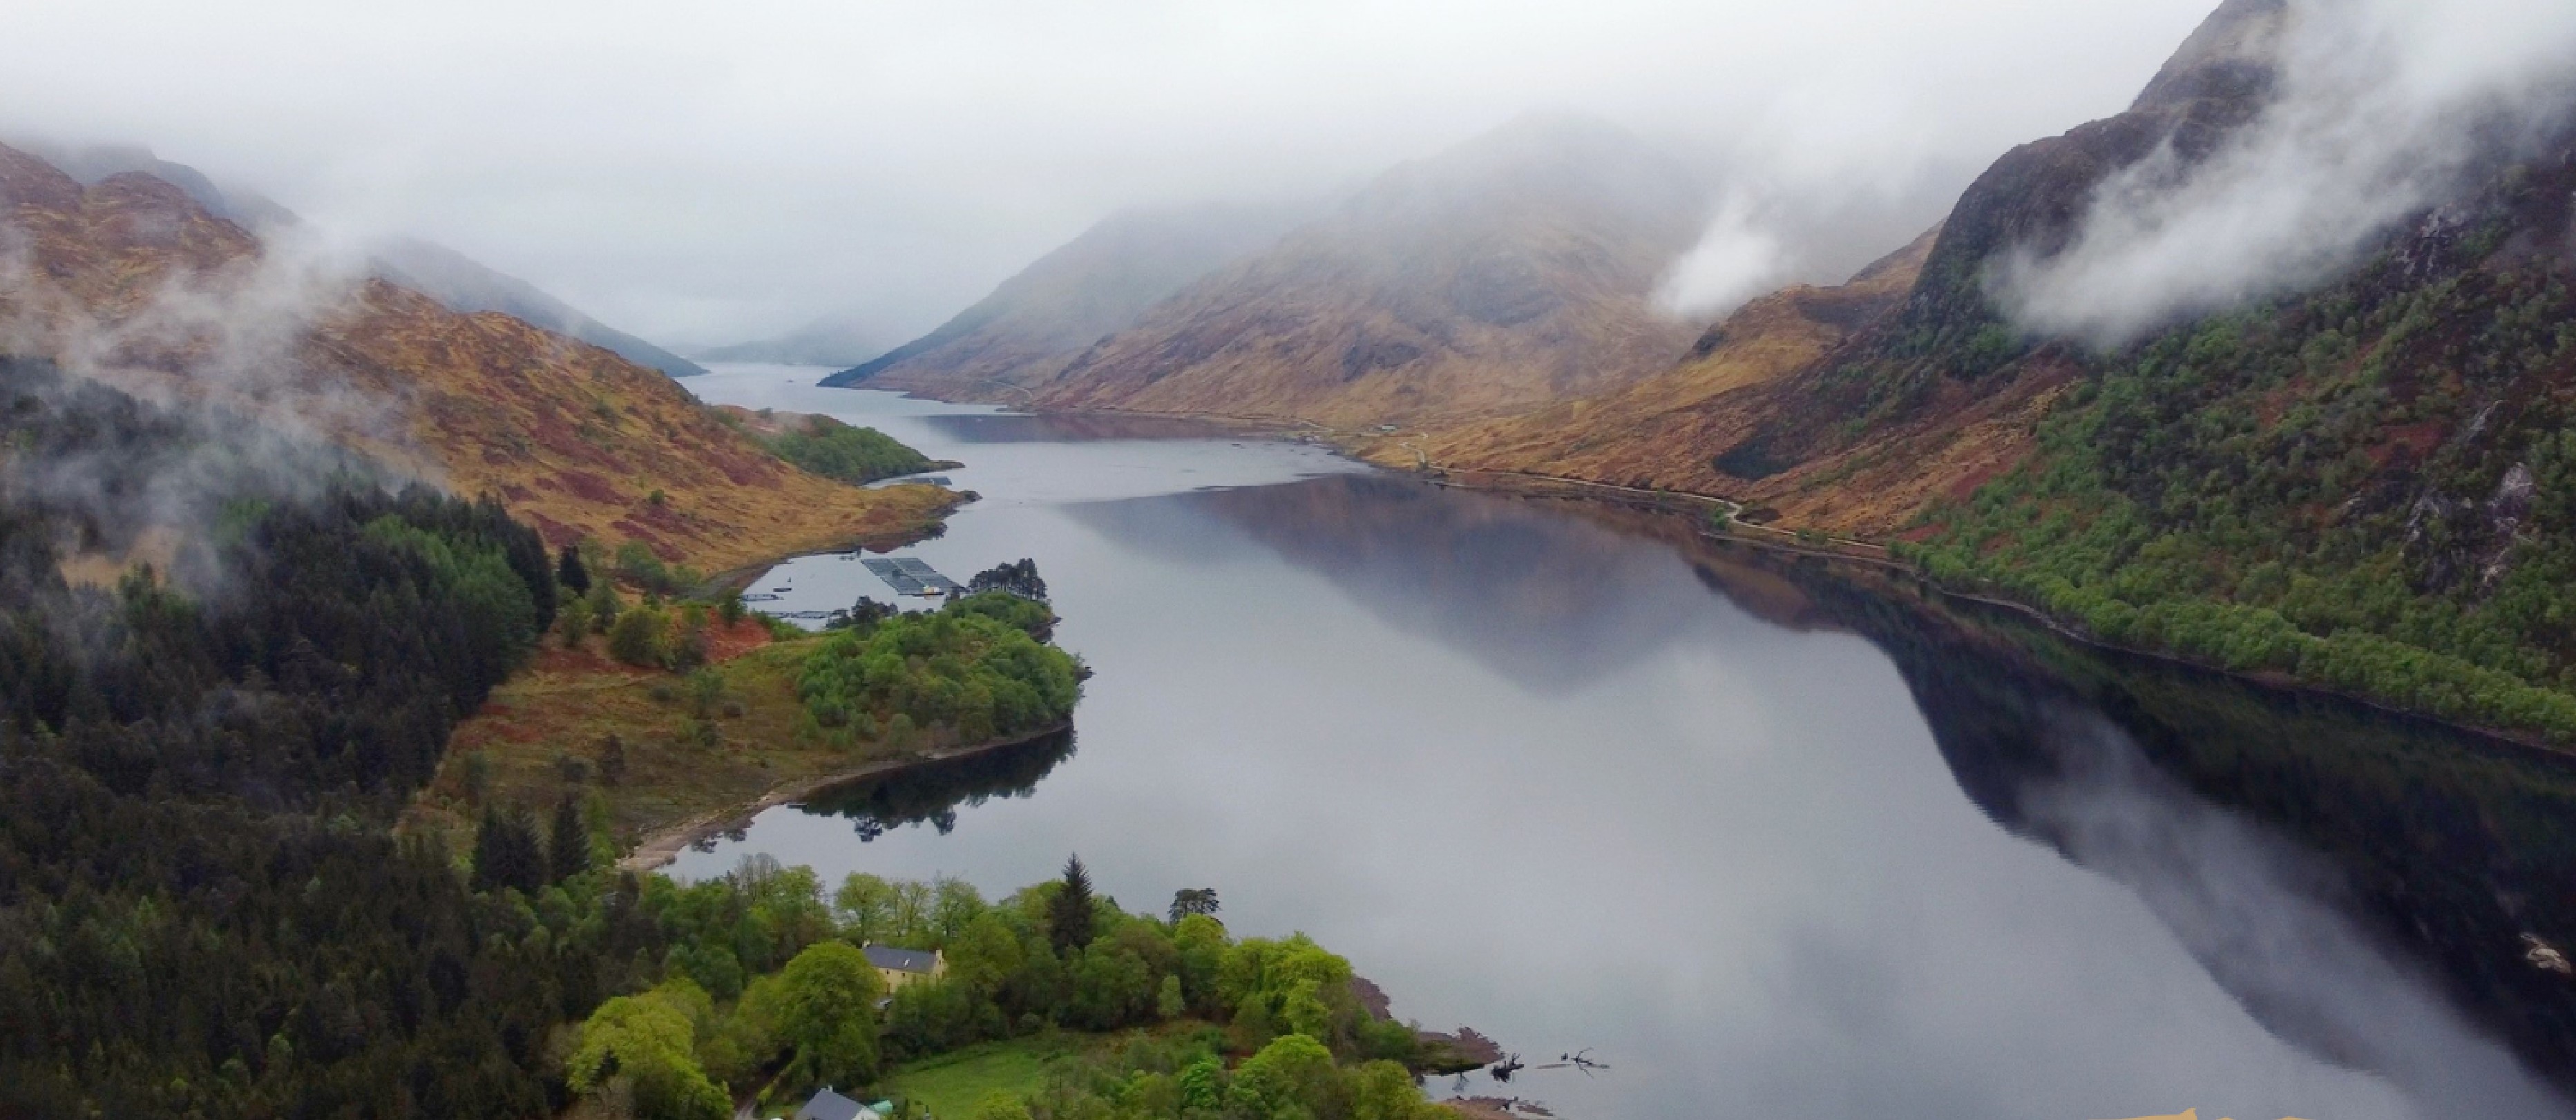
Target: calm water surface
(1769, 846)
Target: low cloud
(219, 355)
(1735, 260)
(2383, 108)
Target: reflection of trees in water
(932, 791)
(2448, 848)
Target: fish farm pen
(911, 577)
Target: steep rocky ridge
(1029, 329)
(131, 280)
(1512, 271)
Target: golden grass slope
(131, 281)
(1511, 272)
(1748, 373)
(1668, 428)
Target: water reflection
(2369, 887)
(1554, 603)
(932, 792)
(1068, 428)
(1578, 778)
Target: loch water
(1769, 838)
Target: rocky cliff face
(132, 281)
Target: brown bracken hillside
(131, 281)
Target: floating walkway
(911, 577)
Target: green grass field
(951, 1085)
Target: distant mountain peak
(1040, 320)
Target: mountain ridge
(1044, 317)
(443, 274)
(135, 283)
(1502, 273)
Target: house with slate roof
(903, 966)
(828, 1105)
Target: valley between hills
(386, 731)
(2354, 484)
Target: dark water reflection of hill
(1777, 841)
(1555, 599)
(2240, 813)
(2312, 854)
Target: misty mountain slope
(454, 279)
(1665, 430)
(829, 342)
(132, 282)
(434, 270)
(1511, 271)
(1039, 321)
(2341, 458)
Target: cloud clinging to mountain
(698, 172)
(2382, 107)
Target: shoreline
(661, 847)
(1535, 485)
(930, 527)
(1826, 547)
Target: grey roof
(902, 960)
(828, 1105)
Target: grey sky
(701, 172)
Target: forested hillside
(204, 908)
(201, 912)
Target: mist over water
(1576, 787)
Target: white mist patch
(224, 350)
(2263, 918)
(2381, 106)
(1734, 261)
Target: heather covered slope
(1036, 323)
(130, 280)
(441, 273)
(466, 285)
(1666, 430)
(1512, 271)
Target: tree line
(203, 911)
(767, 993)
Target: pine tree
(1069, 916)
(505, 852)
(568, 845)
(571, 572)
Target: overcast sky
(703, 172)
